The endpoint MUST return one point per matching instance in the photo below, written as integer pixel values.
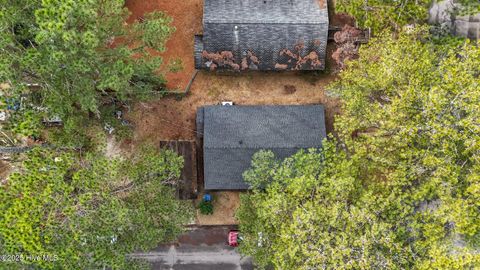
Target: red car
(233, 238)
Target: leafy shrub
(206, 208)
(26, 123)
(175, 65)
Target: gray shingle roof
(265, 11)
(260, 127)
(265, 29)
(232, 134)
(224, 167)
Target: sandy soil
(5, 170)
(225, 203)
(169, 118)
(187, 19)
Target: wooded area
(396, 185)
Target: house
(232, 134)
(263, 35)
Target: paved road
(199, 249)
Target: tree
(80, 54)
(414, 119)
(384, 14)
(315, 214)
(90, 212)
(468, 7)
(399, 187)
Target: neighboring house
(232, 134)
(263, 35)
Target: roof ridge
(286, 22)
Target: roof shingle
(265, 11)
(263, 29)
(232, 134)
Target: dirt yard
(225, 203)
(5, 169)
(187, 19)
(171, 118)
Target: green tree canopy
(311, 216)
(385, 14)
(90, 212)
(399, 189)
(80, 54)
(469, 7)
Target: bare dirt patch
(187, 19)
(289, 89)
(171, 119)
(341, 19)
(225, 204)
(5, 170)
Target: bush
(206, 208)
